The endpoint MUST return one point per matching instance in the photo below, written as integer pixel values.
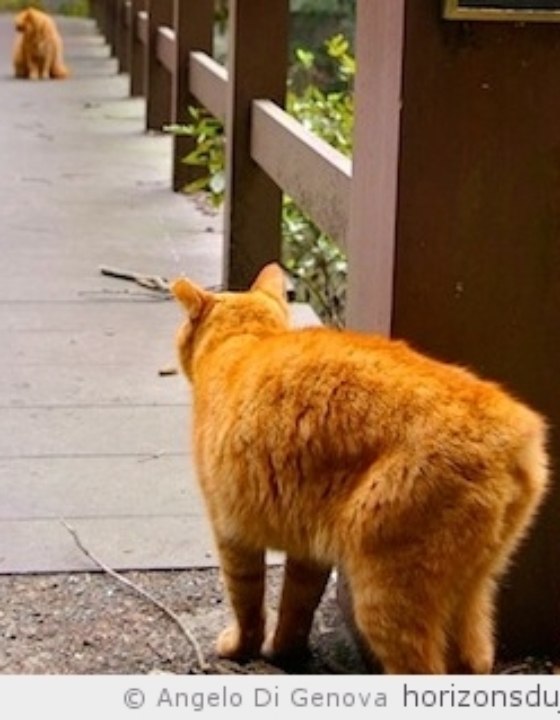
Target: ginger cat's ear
(191, 297)
(271, 280)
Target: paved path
(89, 431)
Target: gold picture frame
(501, 11)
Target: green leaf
(176, 129)
(305, 57)
(197, 185)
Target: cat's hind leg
(471, 643)
(243, 572)
(401, 619)
(303, 587)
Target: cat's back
(343, 382)
(317, 358)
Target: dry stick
(146, 595)
(152, 282)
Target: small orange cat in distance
(38, 49)
(414, 477)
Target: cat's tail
(59, 71)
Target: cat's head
(23, 19)
(212, 317)
(26, 21)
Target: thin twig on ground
(151, 282)
(201, 661)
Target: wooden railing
(430, 197)
(166, 46)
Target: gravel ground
(92, 623)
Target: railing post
(121, 35)
(159, 100)
(101, 8)
(194, 25)
(373, 195)
(109, 29)
(137, 51)
(95, 11)
(257, 69)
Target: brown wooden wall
(477, 266)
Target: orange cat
(414, 477)
(38, 48)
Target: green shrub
(322, 6)
(315, 261)
(75, 8)
(208, 155)
(78, 8)
(15, 5)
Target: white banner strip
(279, 696)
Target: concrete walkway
(89, 431)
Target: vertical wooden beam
(371, 237)
(159, 80)
(121, 36)
(110, 24)
(373, 201)
(257, 67)
(95, 11)
(194, 26)
(137, 52)
(101, 16)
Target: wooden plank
(195, 32)
(121, 36)
(315, 175)
(96, 11)
(257, 67)
(373, 204)
(102, 16)
(159, 100)
(142, 26)
(166, 50)
(138, 47)
(128, 13)
(110, 29)
(208, 83)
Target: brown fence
(448, 211)
(166, 47)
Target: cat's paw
(481, 664)
(234, 645)
(275, 650)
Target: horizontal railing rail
(304, 166)
(208, 83)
